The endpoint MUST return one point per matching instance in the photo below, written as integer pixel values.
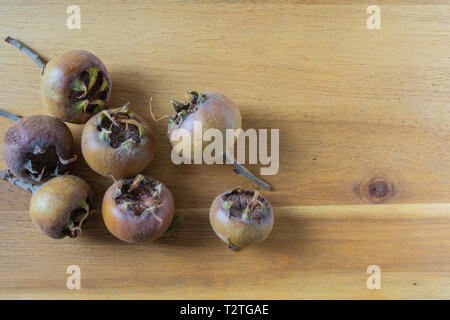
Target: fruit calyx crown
(77, 217)
(119, 128)
(140, 197)
(89, 91)
(246, 205)
(45, 163)
(194, 100)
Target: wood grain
(364, 146)
(313, 252)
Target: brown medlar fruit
(60, 206)
(74, 86)
(37, 148)
(214, 111)
(138, 209)
(118, 143)
(241, 217)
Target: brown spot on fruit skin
(36, 131)
(130, 227)
(376, 189)
(56, 82)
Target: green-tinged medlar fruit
(241, 217)
(60, 206)
(74, 86)
(211, 110)
(138, 209)
(37, 148)
(118, 143)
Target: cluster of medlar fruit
(38, 150)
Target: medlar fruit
(241, 217)
(118, 143)
(214, 111)
(74, 86)
(37, 148)
(138, 209)
(60, 206)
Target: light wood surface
(354, 106)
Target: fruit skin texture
(131, 228)
(233, 230)
(59, 74)
(35, 131)
(116, 162)
(52, 204)
(217, 111)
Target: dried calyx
(119, 128)
(89, 91)
(193, 100)
(77, 217)
(246, 205)
(139, 197)
(43, 164)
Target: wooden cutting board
(353, 106)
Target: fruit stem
(9, 115)
(28, 51)
(7, 175)
(242, 171)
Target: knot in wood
(375, 190)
